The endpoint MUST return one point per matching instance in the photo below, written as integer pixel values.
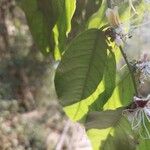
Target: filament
(137, 117)
(131, 4)
(145, 126)
(147, 117)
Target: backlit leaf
(82, 67)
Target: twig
(62, 138)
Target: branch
(60, 143)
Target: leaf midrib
(89, 66)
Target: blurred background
(30, 116)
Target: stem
(130, 70)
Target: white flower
(144, 67)
(113, 16)
(115, 23)
(118, 41)
(137, 112)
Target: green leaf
(98, 19)
(126, 88)
(143, 144)
(82, 67)
(124, 91)
(116, 128)
(109, 81)
(66, 10)
(122, 96)
(79, 110)
(41, 17)
(121, 136)
(103, 119)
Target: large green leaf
(109, 81)
(80, 110)
(82, 67)
(41, 16)
(66, 9)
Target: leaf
(124, 91)
(109, 80)
(143, 144)
(126, 88)
(78, 111)
(120, 97)
(41, 17)
(98, 19)
(103, 119)
(47, 8)
(63, 26)
(91, 7)
(121, 136)
(82, 67)
(117, 130)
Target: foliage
(89, 86)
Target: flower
(118, 31)
(113, 16)
(144, 68)
(137, 112)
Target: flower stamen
(137, 112)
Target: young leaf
(103, 92)
(124, 91)
(82, 67)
